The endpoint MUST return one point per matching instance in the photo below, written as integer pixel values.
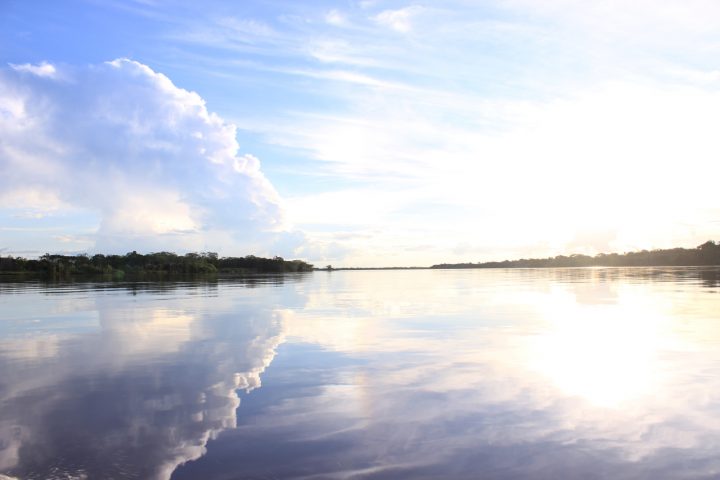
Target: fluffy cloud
(122, 142)
(399, 20)
(43, 69)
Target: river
(422, 374)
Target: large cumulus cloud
(121, 141)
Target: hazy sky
(359, 132)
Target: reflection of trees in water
(62, 287)
(134, 400)
(707, 276)
(710, 278)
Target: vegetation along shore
(166, 263)
(706, 254)
(151, 264)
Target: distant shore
(703, 255)
(707, 254)
(164, 265)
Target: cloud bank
(460, 132)
(120, 142)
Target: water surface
(564, 373)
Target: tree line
(706, 254)
(159, 263)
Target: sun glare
(604, 353)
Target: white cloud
(596, 170)
(336, 50)
(641, 18)
(399, 20)
(31, 202)
(336, 18)
(516, 128)
(547, 117)
(42, 69)
(124, 142)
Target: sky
(359, 133)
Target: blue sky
(359, 132)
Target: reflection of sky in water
(136, 395)
(593, 373)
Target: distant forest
(165, 263)
(136, 264)
(706, 254)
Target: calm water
(577, 373)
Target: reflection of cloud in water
(31, 348)
(135, 399)
(618, 382)
(427, 374)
